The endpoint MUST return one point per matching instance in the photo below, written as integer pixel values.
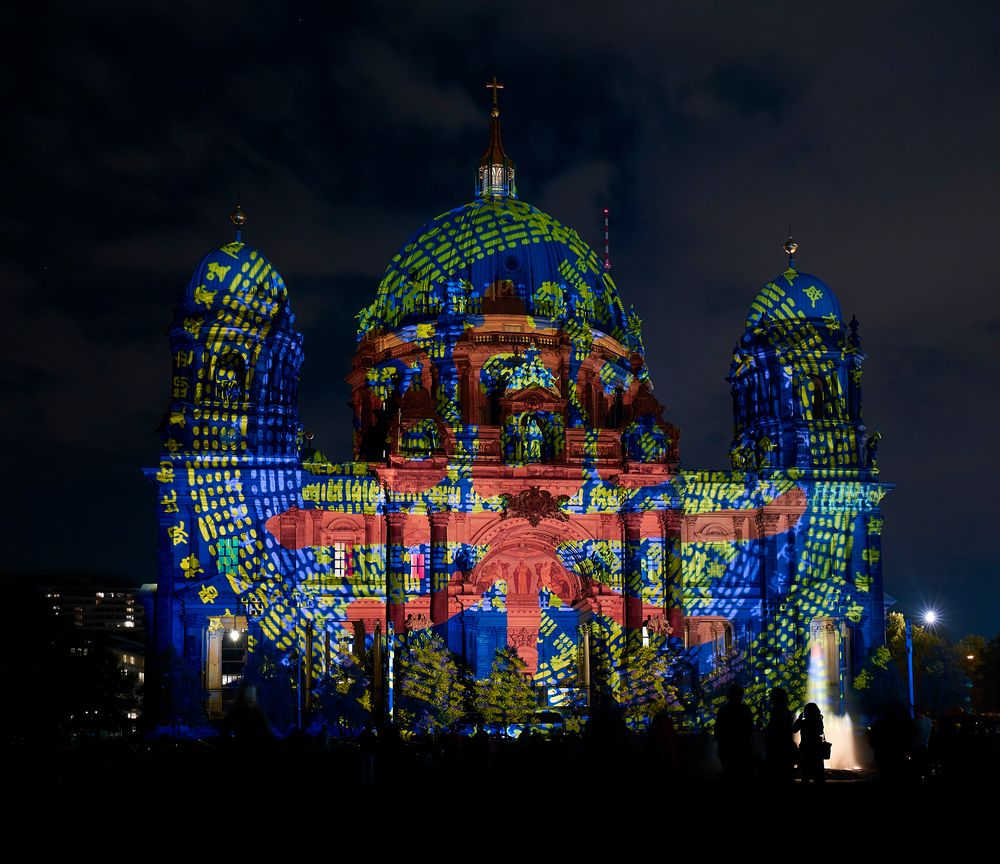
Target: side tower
(796, 380)
(229, 459)
(797, 417)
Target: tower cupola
(496, 169)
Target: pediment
(536, 396)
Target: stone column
(673, 571)
(439, 568)
(632, 580)
(213, 669)
(395, 573)
(307, 677)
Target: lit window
(341, 560)
(336, 556)
(233, 657)
(416, 574)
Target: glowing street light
(930, 617)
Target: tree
(343, 697)
(268, 669)
(944, 684)
(789, 671)
(986, 677)
(431, 692)
(507, 695)
(648, 686)
(976, 655)
(940, 681)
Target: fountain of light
(837, 727)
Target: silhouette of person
(890, 737)
(734, 730)
(811, 749)
(779, 748)
(246, 721)
(661, 743)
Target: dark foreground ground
(302, 766)
(468, 799)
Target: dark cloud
(705, 127)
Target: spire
(496, 168)
(239, 219)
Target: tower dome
(794, 295)
(235, 278)
(495, 253)
(236, 358)
(795, 379)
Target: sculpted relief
(525, 573)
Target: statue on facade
(765, 446)
(531, 441)
(871, 451)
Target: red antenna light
(607, 242)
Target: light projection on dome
(514, 484)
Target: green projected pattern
(489, 250)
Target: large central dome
(495, 248)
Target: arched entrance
(537, 594)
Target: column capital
(396, 518)
(631, 520)
(670, 521)
(439, 518)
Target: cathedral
(514, 482)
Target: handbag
(825, 748)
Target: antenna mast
(607, 242)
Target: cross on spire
(495, 85)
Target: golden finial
(238, 217)
(494, 85)
(790, 247)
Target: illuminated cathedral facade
(514, 482)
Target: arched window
(229, 378)
(813, 398)
(818, 398)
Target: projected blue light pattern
(514, 483)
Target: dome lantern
(496, 168)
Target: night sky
(873, 128)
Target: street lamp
(930, 618)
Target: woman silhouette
(811, 744)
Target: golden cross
(494, 85)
